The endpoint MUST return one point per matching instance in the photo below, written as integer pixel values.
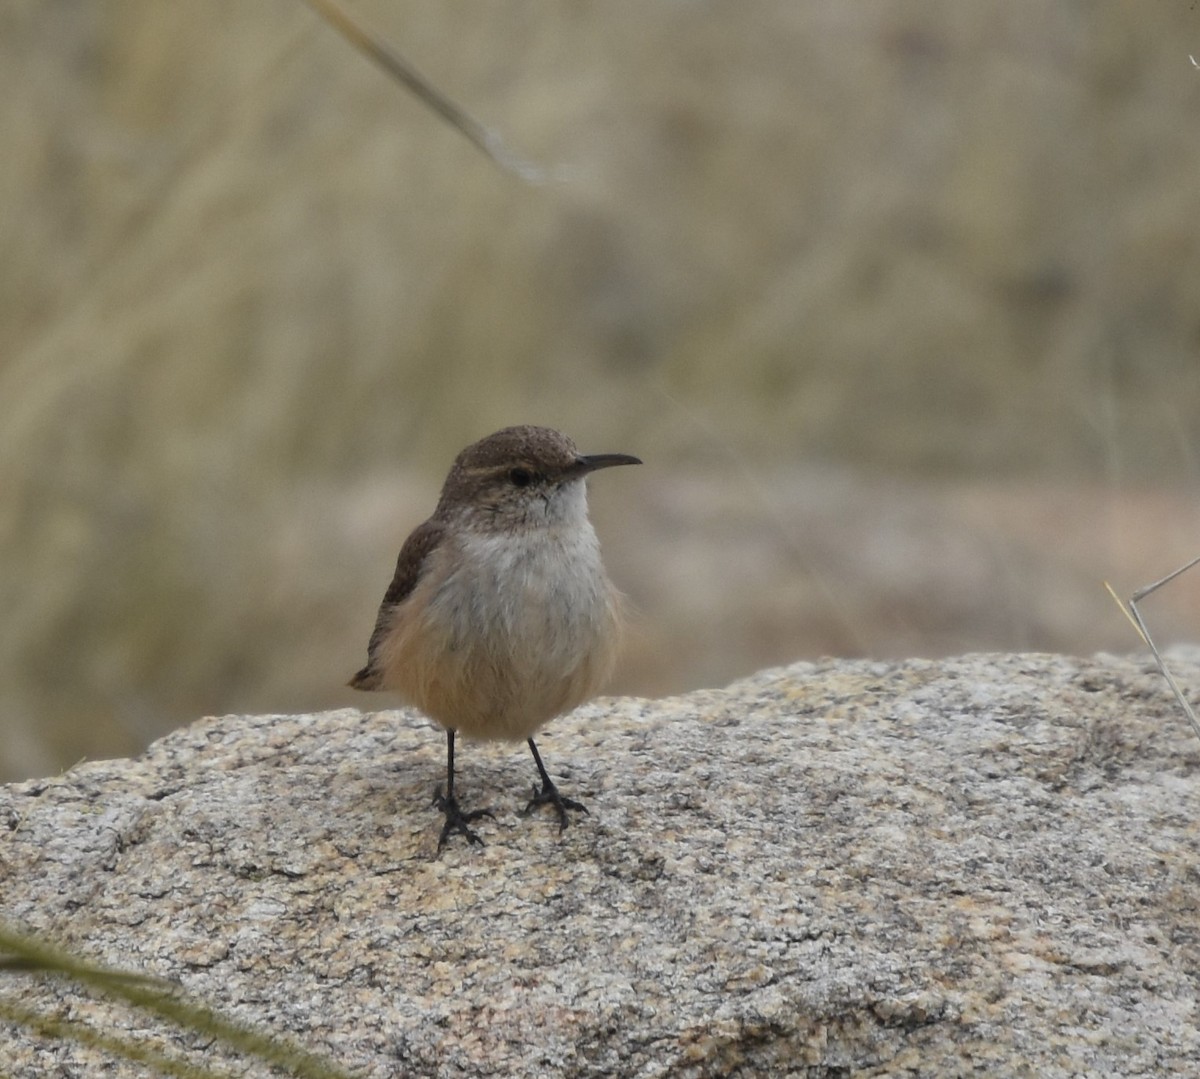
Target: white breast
(536, 599)
(517, 628)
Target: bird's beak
(591, 462)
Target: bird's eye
(520, 477)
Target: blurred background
(899, 302)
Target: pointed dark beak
(591, 462)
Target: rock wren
(500, 615)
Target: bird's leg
(456, 819)
(548, 793)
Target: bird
(500, 615)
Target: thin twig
(59, 1030)
(483, 138)
(1135, 616)
(162, 998)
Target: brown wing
(409, 566)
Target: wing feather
(410, 564)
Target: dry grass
(248, 282)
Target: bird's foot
(456, 820)
(547, 794)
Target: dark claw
(456, 820)
(547, 794)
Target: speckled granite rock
(988, 865)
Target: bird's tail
(367, 679)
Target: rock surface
(987, 865)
